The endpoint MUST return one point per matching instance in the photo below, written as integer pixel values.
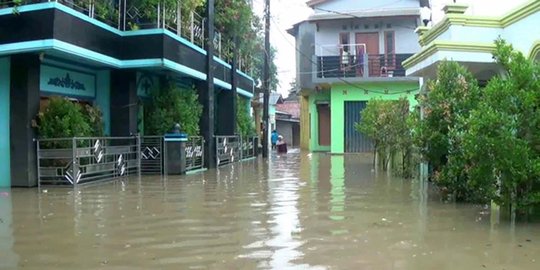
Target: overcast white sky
(285, 13)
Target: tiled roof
(292, 108)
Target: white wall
(327, 37)
(524, 33)
(477, 7)
(356, 5)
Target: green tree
(503, 139)
(235, 20)
(446, 104)
(171, 105)
(385, 123)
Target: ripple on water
(311, 211)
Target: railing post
(241, 148)
(38, 165)
(366, 65)
(192, 25)
(203, 21)
(158, 14)
(202, 149)
(163, 16)
(179, 18)
(217, 151)
(138, 138)
(75, 164)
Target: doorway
(371, 48)
(323, 111)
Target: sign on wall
(67, 82)
(146, 82)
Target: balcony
(117, 34)
(351, 61)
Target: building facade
(349, 52)
(60, 48)
(468, 37)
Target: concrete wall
(305, 123)
(477, 7)
(103, 98)
(305, 42)
(355, 5)
(515, 33)
(406, 41)
(5, 170)
(342, 93)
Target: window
(389, 48)
(344, 38)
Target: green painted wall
(103, 98)
(5, 156)
(342, 93)
(314, 119)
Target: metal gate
(151, 154)
(355, 141)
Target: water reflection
(299, 211)
(337, 192)
(8, 258)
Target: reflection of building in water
(337, 192)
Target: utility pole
(266, 79)
(207, 95)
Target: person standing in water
(281, 145)
(274, 138)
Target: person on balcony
(345, 59)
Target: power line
(341, 79)
(357, 17)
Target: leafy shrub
(385, 122)
(245, 124)
(63, 119)
(172, 105)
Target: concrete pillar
(103, 99)
(124, 103)
(5, 156)
(207, 124)
(24, 95)
(226, 113)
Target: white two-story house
(348, 52)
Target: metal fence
(194, 153)
(151, 154)
(73, 161)
(249, 147)
(230, 149)
(227, 149)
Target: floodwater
(300, 211)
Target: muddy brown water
(299, 211)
